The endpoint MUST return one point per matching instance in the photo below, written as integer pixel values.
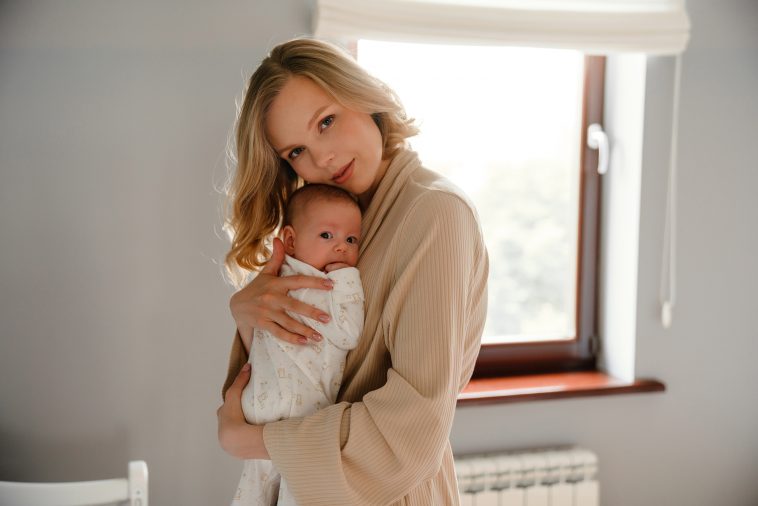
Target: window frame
(580, 353)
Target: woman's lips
(344, 173)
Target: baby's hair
(309, 193)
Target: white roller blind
(593, 26)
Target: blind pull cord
(668, 262)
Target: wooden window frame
(578, 354)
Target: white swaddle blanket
(295, 380)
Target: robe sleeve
(377, 450)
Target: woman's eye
(326, 235)
(295, 153)
(326, 122)
(352, 240)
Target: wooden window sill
(538, 387)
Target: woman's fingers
(291, 330)
(303, 281)
(295, 327)
(241, 380)
(273, 307)
(268, 311)
(235, 389)
(297, 306)
(285, 335)
(230, 415)
(264, 303)
(276, 304)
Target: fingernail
(324, 318)
(316, 336)
(302, 340)
(328, 283)
(246, 367)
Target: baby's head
(322, 226)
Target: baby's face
(325, 232)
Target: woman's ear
(288, 238)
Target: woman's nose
(322, 156)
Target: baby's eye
(326, 235)
(326, 122)
(352, 240)
(295, 153)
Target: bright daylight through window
(505, 125)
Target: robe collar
(403, 164)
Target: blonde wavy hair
(259, 187)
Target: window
(628, 31)
(508, 125)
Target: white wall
(114, 318)
(113, 315)
(697, 443)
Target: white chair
(131, 491)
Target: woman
(311, 114)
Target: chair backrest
(132, 490)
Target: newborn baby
(321, 235)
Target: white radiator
(546, 477)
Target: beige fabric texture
(424, 269)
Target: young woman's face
(323, 141)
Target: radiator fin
(565, 476)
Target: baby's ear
(288, 238)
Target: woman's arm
(392, 442)
(236, 436)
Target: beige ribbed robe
(424, 269)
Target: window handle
(597, 139)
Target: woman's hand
(237, 437)
(262, 304)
